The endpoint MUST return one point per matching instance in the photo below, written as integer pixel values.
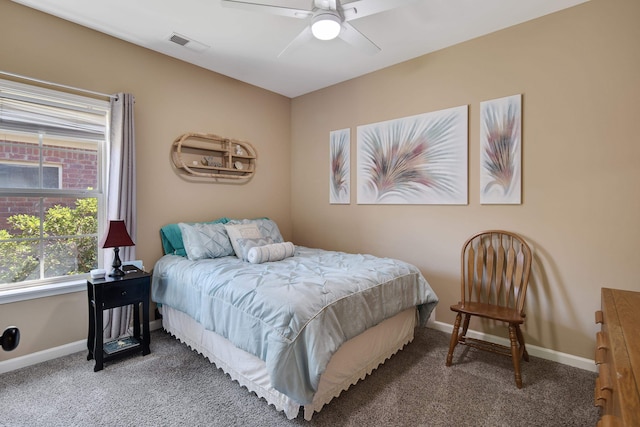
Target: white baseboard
(53, 353)
(155, 324)
(541, 352)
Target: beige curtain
(121, 199)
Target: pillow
(245, 245)
(272, 252)
(237, 232)
(171, 237)
(205, 240)
(267, 227)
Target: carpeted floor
(174, 386)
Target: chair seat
(490, 311)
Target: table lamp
(117, 236)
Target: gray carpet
(174, 386)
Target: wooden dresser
(617, 390)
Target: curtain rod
(5, 73)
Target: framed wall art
(419, 159)
(500, 150)
(340, 166)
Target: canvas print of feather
(500, 150)
(340, 166)
(420, 159)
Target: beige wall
(578, 71)
(172, 98)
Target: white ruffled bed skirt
(353, 361)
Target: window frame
(38, 288)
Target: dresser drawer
(617, 355)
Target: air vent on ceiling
(188, 43)
(178, 39)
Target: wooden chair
(495, 274)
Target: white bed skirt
(353, 361)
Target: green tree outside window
(67, 246)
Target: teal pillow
(171, 237)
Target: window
(27, 175)
(52, 154)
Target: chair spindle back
(496, 267)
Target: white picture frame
(420, 159)
(501, 150)
(340, 166)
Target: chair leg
(525, 355)
(465, 325)
(515, 353)
(454, 339)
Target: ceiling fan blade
(300, 39)
(357, 39)
(362, 8)
(275, 10)
(326, 4)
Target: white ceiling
(245, 45)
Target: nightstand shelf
(103, 294)
(121, 345)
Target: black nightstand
(132, 288)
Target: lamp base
(117, 272)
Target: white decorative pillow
(272, 252)
(205, 240)
(241, 231)
(267, 227)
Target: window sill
(42, 291)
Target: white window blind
(30, 108)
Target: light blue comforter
(294, 313)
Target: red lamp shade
(117, 236)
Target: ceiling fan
(328, 19)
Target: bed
(295, 325)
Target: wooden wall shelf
(207, 156)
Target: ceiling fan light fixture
(326, 26)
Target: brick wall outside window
(79, 171)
